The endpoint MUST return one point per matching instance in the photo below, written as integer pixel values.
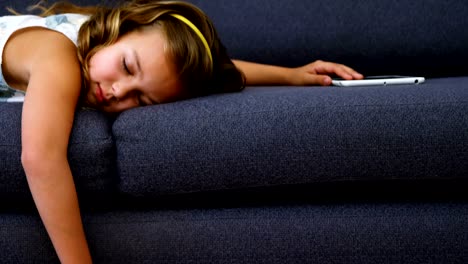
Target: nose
(120, 90)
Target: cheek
(93, 67)
(101, 66)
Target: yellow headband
(195, 29)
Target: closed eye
(125, 66)
(142, 101)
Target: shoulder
(54, 51)
(33, 50)
(53, 73)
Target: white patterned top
(67, 24)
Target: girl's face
(134, 71)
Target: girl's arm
(315, 73)
(51, 71)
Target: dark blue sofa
(278, 174)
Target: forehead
(158, 75)
(148, 41)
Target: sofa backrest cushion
(406, 37)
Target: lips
(99, 94)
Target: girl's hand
(319, 72)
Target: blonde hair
(197, 73)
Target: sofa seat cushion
(273, 136)
(91, 152)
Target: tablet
(379, 80)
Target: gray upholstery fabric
(406, 37)
(338, 233)
(277, 174)
(284, 135)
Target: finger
(333, 68)
(317, 79)
(352, 72)
(340, 70)
(326, 80)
